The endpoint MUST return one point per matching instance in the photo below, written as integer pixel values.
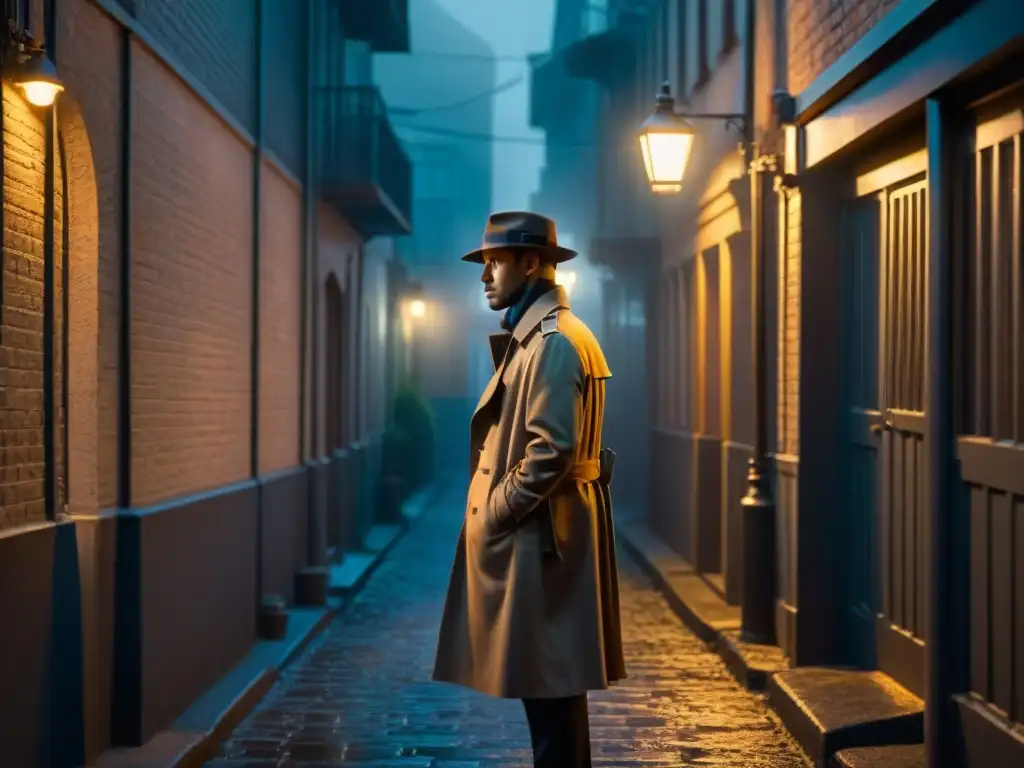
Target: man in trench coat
(532, 610)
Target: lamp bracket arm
(733, 120)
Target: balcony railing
(362, 167)
(384, 24)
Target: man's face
(505, 272)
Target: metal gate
(885, 328)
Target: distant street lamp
(415, 301)
(567, 280)
(667, 138)
(27, 66)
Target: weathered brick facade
(820, 31)
(21, 327)
(215, 42)
(191, 291)
(280, 318)
(788, 349)
(91, 71)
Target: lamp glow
(417, 308)
(40, 93)
(567, 280)
(666, 140)
(36, 76)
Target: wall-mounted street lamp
(667, 138)
(26, 65)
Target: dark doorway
(862, 428)
(334, 339)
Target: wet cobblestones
(361, 697)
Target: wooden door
(862, 241)
(902, 478)
(884, 291)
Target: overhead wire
(489, 137)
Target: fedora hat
(519, 230)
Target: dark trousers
(559, 732)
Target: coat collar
(531, 318)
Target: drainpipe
(50, 161)
(758, 540)
(257, 246)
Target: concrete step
(828, 710)
(899, 756)
(750, 663)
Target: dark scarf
(528, 294)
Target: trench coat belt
(586, 471)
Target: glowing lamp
(665, 142)
(417, 308)
(37, 78)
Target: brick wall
(191, 291)
(89, 62)
(286, 81)
(820, 31)
(215, 40)
(788, 431)
(280, 318)
(21, 322)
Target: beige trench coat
(532, 609)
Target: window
(595, 17)
(702, 42)
(682, 86)
(729, 36)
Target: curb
(700, 607)
(240, 708)
(799, 696)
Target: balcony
(362, 167)
(607, 58)
(384, 24)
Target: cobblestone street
(360, 696)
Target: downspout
(749, 61)
(758, 507)
(49, 289)
(257, 219)
(307, 239)
(307, 423)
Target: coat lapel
(531, 319)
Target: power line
(522, 59)
(499, 88)
(490, 137)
